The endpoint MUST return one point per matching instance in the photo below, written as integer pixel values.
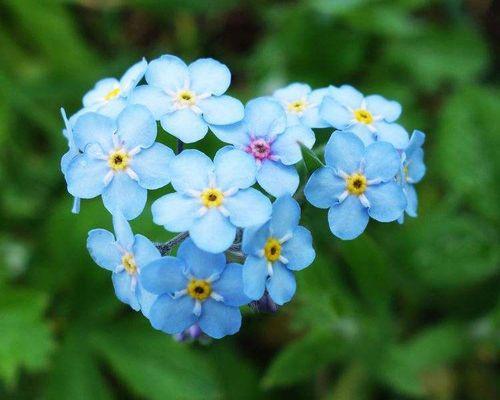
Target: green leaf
(311, 160)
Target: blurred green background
(403, 312)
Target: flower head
(124, 255)
(212, 199)
(188, 99)
(275, 148)
(119, 160)
(357, 183)
(274, 251)
(371, 118)
(195, 288)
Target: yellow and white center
(297, 106)
(272, 249)
(112, 94)
(356, 184)
(363, 116)
(212, 198)
(118, 160)
(199, 289)
(129, 264)
(186, 98)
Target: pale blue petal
(254, 239)
(281, 284)
(234, 169)
(254, 277)
(185, 125)
(123, 232)
(213, 232)
(344, 152)
(146, 299)
(387, 201)
(230, 286)
(97, 94)
(324, 187)
(362, 132)
(298, 250)
(221, 110)
(417, 140)
(248, 207)
(209, 76)
(132, 76)
(124, 195)
(312, 118)
(199, 263)
(85, 176)
(175, 211)
(172, 316)
(103, 250)
(218, 320)
(287, 145)
(388, 109)
(189, 170)
(382, 161)
(236, 134)
(348, 219)
(155, 99)
(416, 166)
(347, 96)
(144, 251)
(168, 72)
(317, 95)
(292, 92)
(278, 179)
(265, 117)
(136, 127)
(112, 108)
(285, 217)
(411, 199)
(164, 275)
(123, 290)
(152, 166)
(67, 158)
(94, 128)
(335, 113)
(395, 134)
(292, 119)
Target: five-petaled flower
(274, 251)
(371, 118)
(357, 183)
(195, 287)
(264, 134)
(212, 199)
(125, 255)
(120, 160)
(188, 99)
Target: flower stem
(166, 248)
(180, 146)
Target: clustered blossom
(240, 242)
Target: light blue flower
(264, 134)
(110, 95)
(195, 287)
(412, 171)
(357, 183)
(120, 160)
(212, 199)
(301, 104)
(274, 251)
(69, 155)
(125, 255)
(371, 118)
(188, 99)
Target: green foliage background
(403, 312)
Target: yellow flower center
(272, 249)
(186, 97)
(297, 106)
(363, 116)
(128, 262)
(118, 160)
(356, 184)
(199, 289)
(112, 94)
(212, 197)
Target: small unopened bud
(265, 304)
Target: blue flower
(371, 118)
(264, 134)
(120, 160)
(412, 171)
(195, 288)
(357, 183)
(301, 104)
(188, 99)
(125, 256)
(212, 199)
(69, 155)
(274, 251)
(110, 95)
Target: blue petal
(151, 166)
(164, 275)
(411, 199)
(281, 284)
(416, 166)
(344, 152)
(287, 145)
(335, 113)
(278, 179)
(85, 176)
(248, 207)
(213, 232)
(172, 316)
(136, 126)
(67, 158)
(209, 76)
(417, 140)
(103, 250)
(189, 170)
(254, 238)
(146, 299)
(236, 134)
(144, 251)
(324, 187)
(387, 201)
(265, 117)
(168, 72)
(348, 219)
(94, 128)
(175, 211)
(298, 250)
(292, 92)
(112, 108)
(221, 110)
(123, 290)
(254, 277)
(377, 105)
(97, 94)
(199, 263)
(230, 286)
(286, 216)
(347, 96)
(393, 133)
(155, 99)
(362, 132)
(124, 195)
(234, 169)
(133, 75)
(382, 161)
(185, 125)
(311, 116)
(123, 232)
(218, 320)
